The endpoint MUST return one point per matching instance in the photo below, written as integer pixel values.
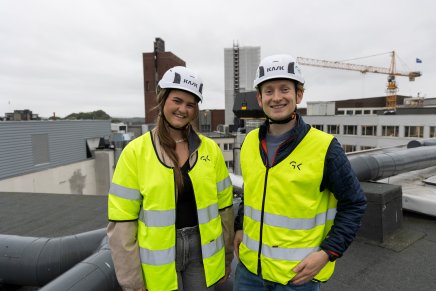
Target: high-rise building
(155, 64)
(240, 65)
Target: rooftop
(405, 261)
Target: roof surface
(51, 215)
(404, 261)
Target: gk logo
(295, 165)
(205, 158)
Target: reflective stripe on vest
(210, 249)
(124, 192)
(167, 217)
(163, 257)
(157, 257)
(156, 218)
(221, 185)
(290, 223)
(294, 254)
(207, 214)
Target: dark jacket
(338, 177)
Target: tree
(94, 115)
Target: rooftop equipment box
(384, 212)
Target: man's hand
(239, 234)
(309, 267)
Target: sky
(64, 56)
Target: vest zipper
(267, 165)
(261, 222)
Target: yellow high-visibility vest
(286, 217)
(143, 189)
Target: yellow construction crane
(391, 89)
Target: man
(302, 202)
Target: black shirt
(186, 208)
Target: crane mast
(391, 88)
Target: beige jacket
(122, 235)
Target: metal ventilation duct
(379, 166)
(31, 261)
(95, 273)
(422, 142)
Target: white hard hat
(278, 67)
(184, 79)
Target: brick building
(155, 64)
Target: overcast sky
(84, 55)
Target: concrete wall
(89, 177)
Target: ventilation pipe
(95, 273)
(31, 261)
(379, 166)
(422, 142)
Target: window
(228, 146)
(333, 129)
(366, 112)
(349, 112)
(350, 129)
(369, 130)
(349, 148)
(318, 126)
(432, 131)
(40, 149)
(358, 112)
(413, 131)
(340, 112)
(205, 128)
(390, 130)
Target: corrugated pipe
(422, 142)
(379, 166)
(95, 273)
(31, 261)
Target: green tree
(94, 115)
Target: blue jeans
(189, 260)
(247, 281)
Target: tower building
(240, 65)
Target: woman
(170, 202)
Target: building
(55, 156)
(155, 64)
(358, 124)
(210, 120)
(240, 65)
(19, 115)
(367, 123)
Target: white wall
(90, 177)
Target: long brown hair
(166, 141)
